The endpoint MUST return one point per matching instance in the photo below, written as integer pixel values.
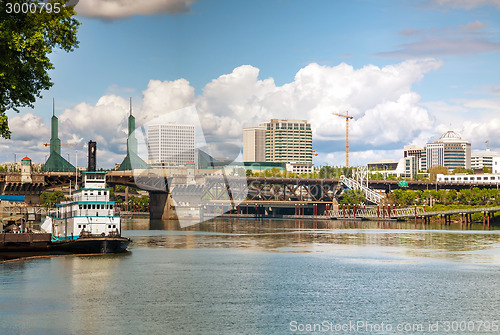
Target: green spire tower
(56, 163)
(55, 142)
(132, 160)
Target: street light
(76, 170)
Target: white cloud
(28, 127)
(29, 132)
(161, 97)
(466, 4)
(477, 25)
(449, 41)
(117, 9)
(387, 113)
(104, 123)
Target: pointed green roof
(132, 161)
(56, 163)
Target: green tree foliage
(353, 197)
(462, 170)
(334, 172)
(50, 199)
(435, 170)
(404, 198)
(465, 197)
(26, 40)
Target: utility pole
(347, 118)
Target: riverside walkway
(391, 212)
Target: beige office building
(288, 141)
(254, 144)
(450, 151)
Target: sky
(407, 71)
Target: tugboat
(88, 222)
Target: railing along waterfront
(390, 211)
(384, 211)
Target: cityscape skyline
(406, 72)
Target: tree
(462, 170)
(435, 170)
(49, 199)
(28, 35)
(353, 197)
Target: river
(231, 276)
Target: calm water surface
(264, 277)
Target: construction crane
(347, 118)
(66, 145)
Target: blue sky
(407, 70)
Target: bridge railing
(371, 195)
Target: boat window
(79, 226)
(109, 226)
(80, 206)
(466, 178)
(93, 206)
(84, 226)
(99, 193)
(114, 226)
(478, 178)
(104, 192)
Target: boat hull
(24, 242)
(93, 245)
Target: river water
(246, 276)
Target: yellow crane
(347, 118)
(66, 145)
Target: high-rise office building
(171, 144)
(288, 141)
(482, 159)
(254, 144)
(413, 156)
(450, 151)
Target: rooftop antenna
(53, 107)
(130, 106)
(487, 145)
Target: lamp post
(76, 170)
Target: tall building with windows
(496, 165)
(254, 144)
(288, 141)
(450, 151)
(171, 144)
(482, 159)
(414, 157)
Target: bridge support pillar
(161, 206)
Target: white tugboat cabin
(89, 212)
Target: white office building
(482, 159)
(496, 165)
(254, 144)
(170, 144)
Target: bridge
(314, 195)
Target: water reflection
(369, 238)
